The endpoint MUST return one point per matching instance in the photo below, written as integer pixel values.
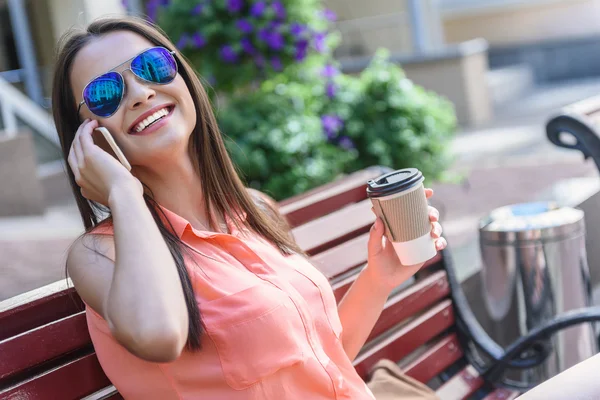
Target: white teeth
(150, 119)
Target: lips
(147, 114)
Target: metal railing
(15, 106)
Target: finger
(85, 137)
(72, 161)
(428, 193)
(375, 237)
(78, 151)
(77, 144)
(434, 214)
(436, 230)
(440, 244)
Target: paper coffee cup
(399, 200)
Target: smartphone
(105, 141)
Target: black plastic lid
(394, 182)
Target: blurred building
(529, 42)
(29, 150)
(29, 31)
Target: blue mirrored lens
(103, 95)
(155, 65)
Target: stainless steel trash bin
(535, 267)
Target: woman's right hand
(96, 172)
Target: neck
(176, 186)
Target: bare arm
(359, 310)
(133, 283)
(362, 305)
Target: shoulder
(270, 208)
(88, 246)
(90, 265)
(262, 198)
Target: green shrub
(304, 128)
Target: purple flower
(258, 9)
(247, 46)
(301, 49)
(297, 29)
(153, 6)
(329, 15)
(198, 9)
(264, 34)
(275, 41)
(279, 9)
(125, 4)
(320, 44)
(329, 71)
(330, 90)
(331, 125)
(275, 25)
(272, 38)
(228, 54)
(276, 63)
(235, 5)
(183, 41)
(346, 143)
(198, 40)
(244, 26)
(259, 60)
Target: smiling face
(154, 122)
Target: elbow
(160, 344)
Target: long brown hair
(221, 186)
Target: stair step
(509, 83)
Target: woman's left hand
(383, 263)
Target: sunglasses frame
(172, 52)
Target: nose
(138, 92)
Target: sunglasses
(103, 94)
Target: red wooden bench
(46, 352)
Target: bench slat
(71, 381)
(108, 393)
(335, 228)
(341, 286)
(342, 283)
(502, 394)
(38, 307)
(325, 199)
(43, 344)
(340, 259)
(435, 360)
(461, 385)
(410, 301)
(406, 338)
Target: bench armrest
(587, 140)
(526, 352)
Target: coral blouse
(271, 322)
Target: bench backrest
(581, 120)
(50, 354)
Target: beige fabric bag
(388, 382)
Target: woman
(191, 290)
